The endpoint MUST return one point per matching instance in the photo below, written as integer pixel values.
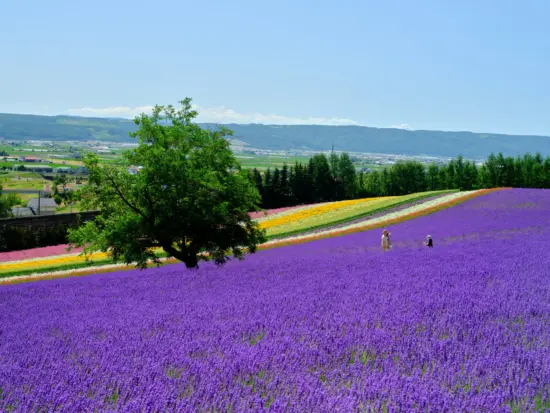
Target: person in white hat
(386, 242)
(429, 242)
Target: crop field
(263, 162)
(22, 180)
(329, 325)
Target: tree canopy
(181, 190)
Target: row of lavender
(332, 325)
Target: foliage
(4, 206)
(318, 181)
(7, 202)
(189, 197)
(14, 238)
(12, 199)
(60, 180)
(57, 198)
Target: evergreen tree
(258, 181)
(347, 177)
(277, 189)
(267, 200)
(322, 178)
(285, 186)
(433, 177)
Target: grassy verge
(393, 203)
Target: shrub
(14, 238)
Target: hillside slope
(312, 137)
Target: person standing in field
(429, 242)
(386, 242)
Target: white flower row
(290, 211)
(381, 219)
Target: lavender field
(328, 326)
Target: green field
(22, 180)
(51, 165)
(263, 162)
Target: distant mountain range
(305, 137)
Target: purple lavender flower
(332, 325)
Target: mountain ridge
(352, 138)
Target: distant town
(69, 154)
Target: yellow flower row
(52, 262)
(308, 213)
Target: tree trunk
(190, 259)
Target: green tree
(337, 186)
(189, 197)
(433, 177)
(277, 196)
(60, 180)
(322, 178)
(7, 202)
(258, 181)
(58, 200)
(268, 195)
(4, 206)
(347, 176)
(286, 190)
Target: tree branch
(119, 193)
(150, 202)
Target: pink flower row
(36, 253)
(62, 249)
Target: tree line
(322, 179)
(333, 178)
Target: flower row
(326, 209)
(390, 218)
(384, 220)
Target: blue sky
(478, 65)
